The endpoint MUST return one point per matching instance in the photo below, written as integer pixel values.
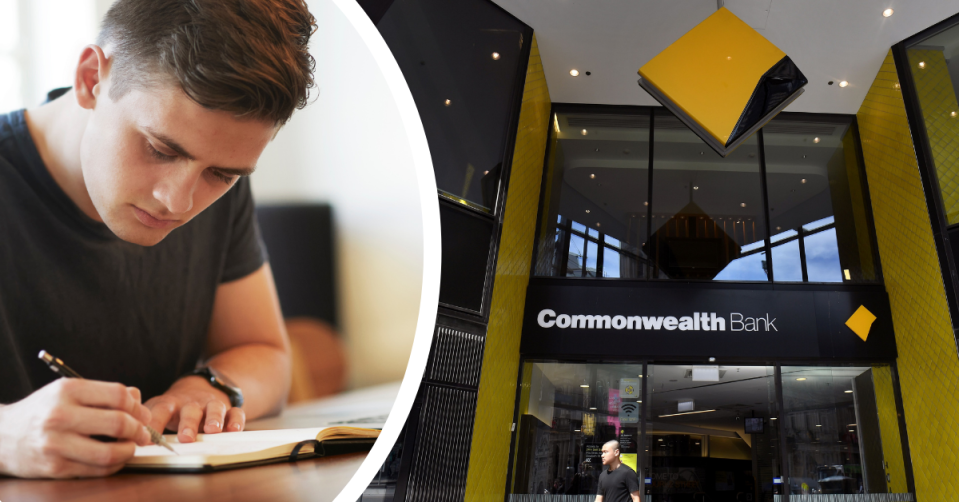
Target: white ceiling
(827, 39)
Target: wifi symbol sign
(629, 413)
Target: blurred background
(336, 193)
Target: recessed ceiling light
(742, 204)
(485, 173)
(772, 418)
(779, 228)
(848, 392)
(585, 386)
(592, 407)
(584, 132)
(646, 203)
(850, 430)
(574, 72)
(495, 56)
(815, 140)
(801, 379)
(817, 425)
(695, 188)
(922, 64)
(952, 114)
(447, 102)
(587, 210)
(597, 149)
(803, 180)
(896, 85)
(592, 176)
(843, 83)
(887, 12)
(598, 224)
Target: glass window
(817, 207)
(460, 60)
(597, 183)
(707, 211)
(567, 412)
(934, 64)
(711, 433)
(842, 431)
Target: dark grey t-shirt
(110, 309)
(616, 486)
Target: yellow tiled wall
(489, 454)
(889, 428)
(928, 364)
(940, 112)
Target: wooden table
(313, 479)
(318, 479)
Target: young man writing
(127, 238)
(617, 482)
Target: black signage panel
(630, 320)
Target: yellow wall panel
(489, 453)
(928, 363)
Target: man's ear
(91, 72)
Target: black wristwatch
(222, 383)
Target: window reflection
(705, 216)
(707, 211)
(817, 200)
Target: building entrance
(691, 433)
(712, 434)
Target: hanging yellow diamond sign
(861, 322)
(723, 80)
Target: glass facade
(637, 195)
(718, 433)
(934, 66)
(461, 61)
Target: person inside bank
(128, 245)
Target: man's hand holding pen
(47, 434)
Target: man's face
(609, 454)
(154, 159)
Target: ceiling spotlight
(585, 386)
(598, 224)
(712, 359)
(587, 210)
(848, 392)
(574, 72)
(887, 12)
(597, 149)
(817, 425)
(803, 180)
(485, 173)
(802, 379)
(779, 228)
(843, 83)
(447, 102)
(592, 176)
(815, 140)
(772, 418)
(922, 64)
(495, 56)
(952, 114)
(742, 204)
(896, 85)
(584, 132)
(646, 203)
(695, 188)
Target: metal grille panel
(442, 448)
(861, 497)
(457, 357)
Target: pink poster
(613, 407)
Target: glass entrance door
(711, 434)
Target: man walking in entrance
(617, 482)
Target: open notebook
(212, 452)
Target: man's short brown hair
(248, 57)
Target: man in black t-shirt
(128, 246)
(617, 482)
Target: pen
(56, 364)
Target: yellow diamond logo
(861, 322)
(629, 390)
